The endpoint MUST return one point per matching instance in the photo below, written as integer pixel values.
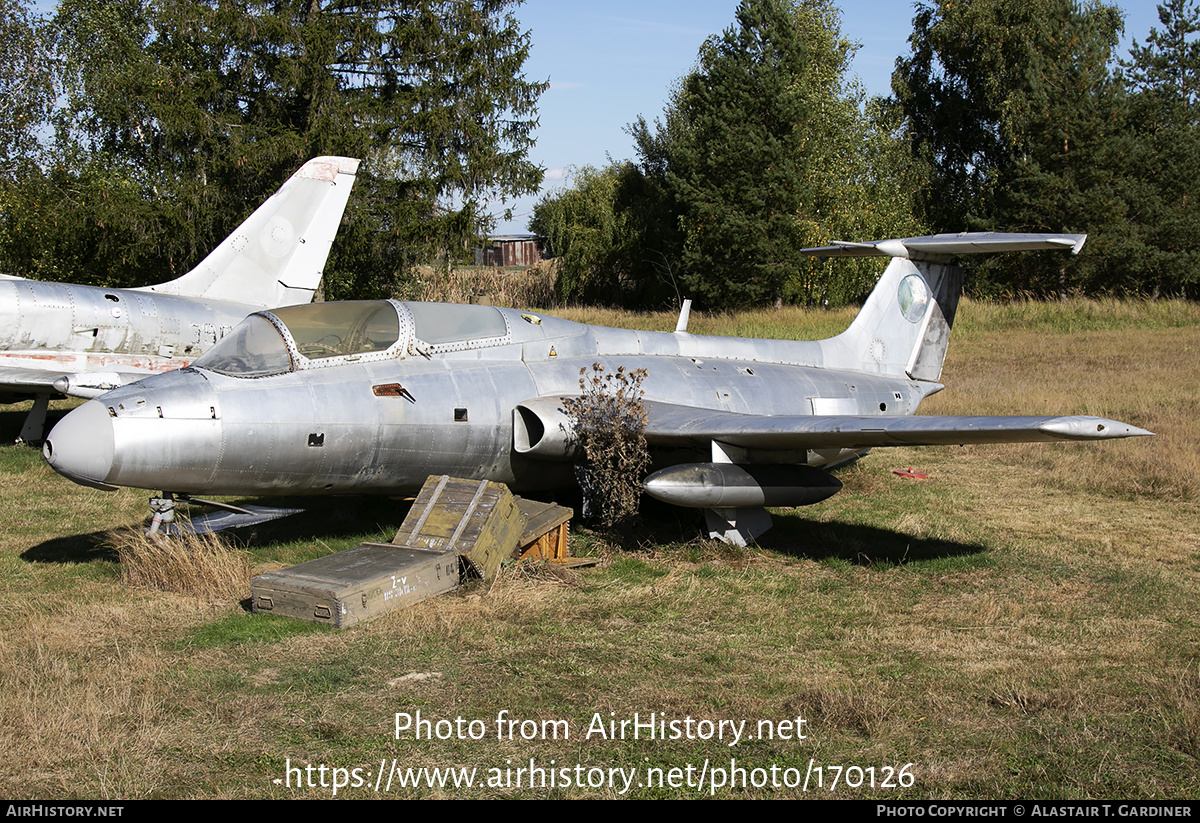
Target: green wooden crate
(357, 584)
(477, 518)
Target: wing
(19, 382)
(674, 425)
(22, 383)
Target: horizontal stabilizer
(671, 424)
(941, 247)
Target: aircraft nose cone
(81, 446)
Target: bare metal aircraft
(374, 396)
(60, 338)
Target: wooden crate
(477, 518)
(357, 584)
(545, 535)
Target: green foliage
(755, 161)
(197, 110)
(26, 85)
(1064, 127)
(967, 60)
(1160, 156)
(609, 420)
(587, 232)
(615, 234)
(739, 169)
(872, 198)
(26, 98)
(764, 149)
(1024, 128)
(1168, 66)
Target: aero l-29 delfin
(61, 338)
(374, 396)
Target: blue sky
(609, 62)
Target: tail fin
(904, 327)
(277, 255)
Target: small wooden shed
(510, 250)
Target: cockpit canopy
(322, 330)
(318, 334)
(441, 323)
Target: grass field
(1022, 624)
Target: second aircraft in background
(67, 339)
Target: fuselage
(440, 398)
(70, 329)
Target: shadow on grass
(334, 518)
(324, 518)
(794, 535)
(858, 544)
(12, 418)
(76, 548)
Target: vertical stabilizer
(277, 256)
(904, 327)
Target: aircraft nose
(81, 446)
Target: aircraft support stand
(736, 526)
(35, 422)
(164, 513)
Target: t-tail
(277, 255)
(904, 327)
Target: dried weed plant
(609, 418)
(204, 566)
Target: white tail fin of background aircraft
(277, 255)
(904, 327)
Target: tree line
(135, 134)
(1008, 115)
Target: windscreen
(254, 349)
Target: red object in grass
(910, 473)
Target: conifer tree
(764, 149)
(1011, 104)
(181, 116)
(758, 125)
(1161, 156)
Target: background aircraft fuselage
(69, 329)
(62, 338)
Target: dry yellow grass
(514, 288)
(203, 566)
(1150, 378)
